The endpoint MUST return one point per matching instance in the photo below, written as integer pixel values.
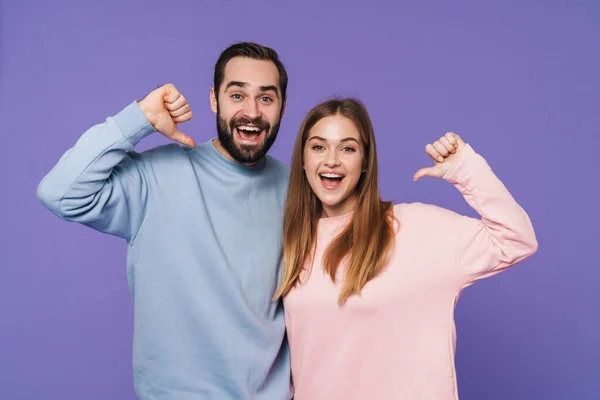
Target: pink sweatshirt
(396, 340)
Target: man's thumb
(184, 139)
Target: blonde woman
(369, 287)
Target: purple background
(518, 80)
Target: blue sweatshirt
(204, 254)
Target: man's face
(248, 108)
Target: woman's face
(333, 163)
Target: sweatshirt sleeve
(503, 236)
(99, 182)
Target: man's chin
(248, 157)
(245, 146)
(247, 153)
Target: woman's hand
(444, 152)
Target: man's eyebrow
(270, 88)
(236, 83)
(267, 88)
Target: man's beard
(245, 153)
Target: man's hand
(164, 108)
(444, 152)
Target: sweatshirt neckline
(338, 219)
(236, 166)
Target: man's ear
(283, 107)
(213, 100)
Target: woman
(370, 288)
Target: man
(203, 226)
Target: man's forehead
(252, 73)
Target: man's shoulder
(158, 156)
(162, 151)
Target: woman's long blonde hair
(368, 237)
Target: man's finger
(178, 112)
(183, 118)
(171, 93)
(178, 103)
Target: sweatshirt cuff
(463, 166)
(133, 124)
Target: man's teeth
(331, 176)
(249, 128)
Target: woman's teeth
(331, 181)
(331, 176)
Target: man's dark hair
(253, 51)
